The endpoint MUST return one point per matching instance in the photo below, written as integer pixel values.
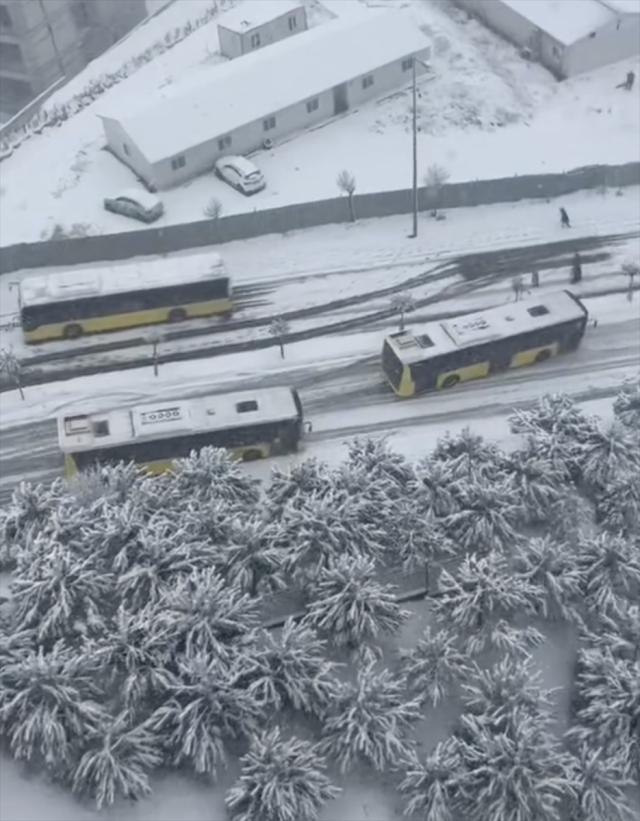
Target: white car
(241, 174)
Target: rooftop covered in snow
(566, 20)
(623, 6)
(229, 96)
(253, 13)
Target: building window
(407, 64)
(224, 142)
(247, 406)
(5, 18)
(293, 23)
(255, 41)
(312, 105)
(178, 162)
(367, 81)
(556, 52)
(269, 124)
(125, 148)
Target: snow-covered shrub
(598, 787)
(510, 687)
(434, 666)
(481, 599)
(61, 595)
(291, 670)
(350, 606)
(610, 567)
(116, 761)
(212, 474)
(30, 509)
(430, 785)
(486, 518)
(281, 780)
(520, 774)
(250, 558)
(626, 407)
(201, 613)
(50, 704)
(205, 707)
(551, 568)
(369, 721)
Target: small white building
(568, 37)
(259, 23)
(245, 104)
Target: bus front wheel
(542, 356)
(177, 315)
(450, 381)
(72, 331)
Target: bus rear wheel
(251, 455)
(542, 356)
(177, 315)
(73, 331)
(450, 381)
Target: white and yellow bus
(68, 304)
(251, 425)
(443, 354)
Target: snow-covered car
(137, 204)
(241, 174)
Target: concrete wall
(306, 215)
(235, 43)
(290, 120)
(617, 41)
(24, 117)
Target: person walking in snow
(535, 279)
(576, 269)
(629, 81)
(564, 219)
(518, 287)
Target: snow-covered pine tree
(435, 666)
(375, 460)
(369, 721)
(618, 634)
(209, 522)
(521, 774)
(420, 538)
(611, 454)
(468, 454)
(116, 760)
(626, 407)
(280, 780)
(350, 606)
(290, 670)
(551, 568)
(30, 508)
(201, 613)
(508, 688)
(598, 788)
(430, 785)
(481, 599)
(539, 484)
(250, 558)
(618, 505)
(50, 703)
(205, 708)
(294, 485)
(610, 567)
(212, 474)
(487, 516)
(61, 595)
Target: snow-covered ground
(486, 113)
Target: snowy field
(486, 113)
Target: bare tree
(403, 304)
(213, 209)
(435, 178)
(11, 366)
(154, 338)
(279, 329)
(346, 182)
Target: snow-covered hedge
(133, 639)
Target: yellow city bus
(251, 425)
(442, 354)
(68, 304)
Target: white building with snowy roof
(259, 23)
(245, 104)
(568, 37)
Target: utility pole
(414, 233)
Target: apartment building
(44, 40)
